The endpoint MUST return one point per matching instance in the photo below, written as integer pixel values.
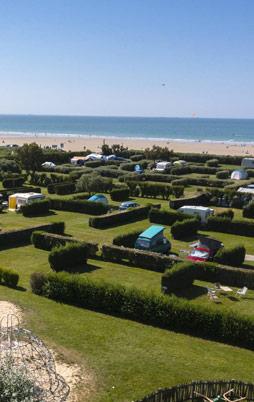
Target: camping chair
(211, 293)
(242, 292)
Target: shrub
(212, 162)
(248, 210)
(81, 206)
(127, 239)
(47, 241)
(233, 256)
(222, 174)
(13, 182)
(225, 225)
(64, 188)
(185, 228)
(37, 281)
(200, 199)
(180, 277)
(137, 157)
(119, 217)
(10, 277)
(93, 183)
(36, 208)
(166, 217)
(178, 191)
(120, 194)
(70, 257)
(154, 190)
(226, 214)
(148, 308)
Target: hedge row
(182, 275)
(120, 194)
(202, 158)
(226, 225)
(127, 239)
(233, 256)
(161, 311)
(9, 277)
(139, 258)
(47, 241)
(71, 257)
(185, 229)
(82, 206)
(13, 238)
(62, 188)
(13, 182)
(200, 199)
(248, 210)
(119, 217)
(166, 217)
(153, 189)
(36, 208)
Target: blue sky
(111, 57)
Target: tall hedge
(248, 210)
(36, 208)
(166, 217)
(226, 225)
(81, 206)
(184, 229)
(119, 217)
(13, 182)
(127, 239)
(161, 311)
(120, 194)
(9, 277)
(71, 257)
(233, 256)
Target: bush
(149, 308)
(14, 238)
(178, 191)
(10, 277)
(248, 210)
(139, 258)
(127, 239)
(180, 277)
(47, 241)
(212, 162)
(222, 174)
(120, 194)
(13, 182)
(119, 217)
(200, 199)
(225, 225)
(70, 257)
(233, 256)
(36, 208)
(64, 188)
(81, 206)
(37, 281)
(154, 190)
(226, 214)
(166, 217)
(184, 229)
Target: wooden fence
(186, 392)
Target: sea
(153, 128)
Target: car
(204, 250)
(128, 204)
(153, 239)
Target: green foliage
(233, 256)
(212, 162)
(82, 206)
(120, 194)
(64, 188)
(200, 199)
(248, 210)
(13, 182)
(9, 165)
(47, 241)
(166, 217)
(94, 183)
(155, 190)
(222, 174)
(30, 156)
(180, 276)
(36, 208)
(10, 277)
(119, 217)
(157, 152)
(139, 258)
(226, 225)
(71, 257)
(169, 313)
(228, 213)
(127, 239)
(37, 282)
(178, 191)
(186, 228)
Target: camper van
(16, 201)
(153, 239)
(247, 163)
(202, 212)
(162, 166)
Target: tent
(239, 175)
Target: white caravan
(202, 212)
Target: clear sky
(112, 57)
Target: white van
(162, 166)
(202, 212)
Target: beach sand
(72, 143)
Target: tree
(93, 183)
(157, 152)
(30, 157)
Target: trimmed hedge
(166, 217)
(134, 304)
(47, 241)
(13, 182)
(228, 213)
(233, 256)
(36, 208)
(14, 238)
(127, 239)
(70, 257)
(139, 258)
(120, 194)
(9, 277)
(225, 225)
(200, 199)
(64, 188)
(248, 210)
(120, 217)
(81, 206)
(222, 174)
(185, 228)
(173, 279)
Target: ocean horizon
(149, 128)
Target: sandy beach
(78, 143)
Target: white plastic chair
(242, 292)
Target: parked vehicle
(128, 204)
(48, 165)
(153, 239)
(180, 162)
(16, 201)
(204, 250)
(247, 163)
(138, 169)
(202, 212)
(162, 166)
(99, 198)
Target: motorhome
(202, 212)
(153, 239)
(16, 201)
(162, 166)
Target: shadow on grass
(50, 213)
(91, 268)
(193, 292)
(19, 288)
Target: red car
(200, 254)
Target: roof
(28, 195)
(96, 197)
(195, 207)
(245, 190)
(152, 231)
(126, 203)
(74, 158)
